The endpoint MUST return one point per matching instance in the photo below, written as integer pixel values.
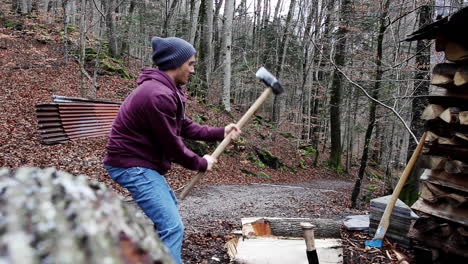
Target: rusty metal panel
(74, 118)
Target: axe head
(265, 76)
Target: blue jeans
(151, 192)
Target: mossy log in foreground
(50, 216)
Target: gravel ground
(211, 213)
(315, 199)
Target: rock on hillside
(50, 216)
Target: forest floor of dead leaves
(33, 68)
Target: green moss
(377, 175)
(286, 134)
(264, 175)
(90, 57)
(200, 118)
(71, 28)
(307, 149)
(199, 147)
(269, 159)
(9, 23)
(111, 67)
(91, 51)
(302, 164)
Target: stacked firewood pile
(443, 203)
(49, 216)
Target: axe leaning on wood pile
(377, 241)
(273, 86)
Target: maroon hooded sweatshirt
(148, 128)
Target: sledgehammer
(273, 86)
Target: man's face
(184, 71)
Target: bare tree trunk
(43, 8)
(410, 192)
(227, 47)
(217, 40)
(207, 42)
(278, 101)
(372, 107)
(167, 20)
(65, 30)
(335, 92)
(195, 8)
(83, 47)
(24, 6)
(111, 27)
(126, 40)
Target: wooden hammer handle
(260, 100)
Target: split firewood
(450, 115)
(441, 177)
(431, 137)
(402, 259)
(446, 141)
(434, 138)
(454, 152)
(463, 117)
(462, 136)
(433, 162)
(443, 73)
(443, 129)
(455, 51)
(456, 166)
(434, 193)
(432, 111)
(460, 78)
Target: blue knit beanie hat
(170, 53)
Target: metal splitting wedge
(273, 86)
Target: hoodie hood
(149, 73)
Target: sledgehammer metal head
(265, 76)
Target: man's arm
(163, 123)
(192, 130)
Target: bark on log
(441, 177)
(434, 193)
(456, 167)
(443, 74)
(290, 227)
(450, 151)
(450, 75)
(438, 94)
(443, 129)
(50, 216)
(440, 233)
(455, 52)
(433, 162)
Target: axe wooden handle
(260, 100)
(385, 220)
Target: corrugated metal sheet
(64, 121)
